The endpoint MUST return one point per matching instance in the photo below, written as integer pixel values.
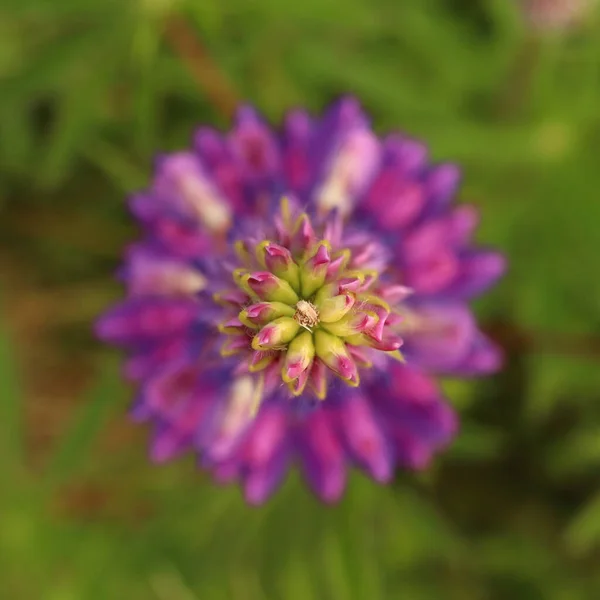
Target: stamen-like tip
(306, 314)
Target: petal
(298, 132)
(182, 180)
(342, 116)
(322, 456)
(450, 231)
(254, 146)
(150, 272)
(434, 273)
(442, 183)
(410, 404)
(261, 482)
(179, 400)
(350, 168)
(433, 423)
(150, 358)
(180, 237)
(478, 270)
(441, 338)
(409, 451)
(404, 155)
(215, 154)
(231, 420)
(394, 201)
(143, 319)
(268, 433)
(365, 439)
(483, 358)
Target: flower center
(306, 314)
(303, 309)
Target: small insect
(306, 314)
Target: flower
(278, 279)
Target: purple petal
(442, 183)
(179, 401)
(143, 319)
(262, 481)
(298, 167)
(148, 272)
(183, 184)
(410, 452)
(433, 273)
(394, 201)
(322, 456)
(348, 170)
(254, 145)
(365, 439)
(442, 337)
(435, 235)
(410, 404)
(484, 357)
(405, 156)
(151, 357)
(266, 437)
(478, 270)
(214, 152)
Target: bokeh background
(90, 90)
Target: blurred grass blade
(583, 533)
(73, 448)
(117, 167)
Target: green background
(89, 90)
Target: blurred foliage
(90, 90)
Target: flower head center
(306, 314)
(303, 308)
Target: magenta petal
(394, 201)
(225, 472)
(266, 436)
(298, 169)
(450, 231)
(478, 271)
(149, 360)
(211, 146)
(444, 337)
(178, 406)
(433, 423)
(261, 482)
(170, 388)
(417, 412)
(148, 272)
(434, 273)
(409, 451)
(365, 438)
(185, 186)
(442, 184)
(180, 238)
(322, 456)
(176, 436)
(146, 318)
(484, 357)
(406, 156)
(215, 154)
(253, 145)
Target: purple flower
(277, 278)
